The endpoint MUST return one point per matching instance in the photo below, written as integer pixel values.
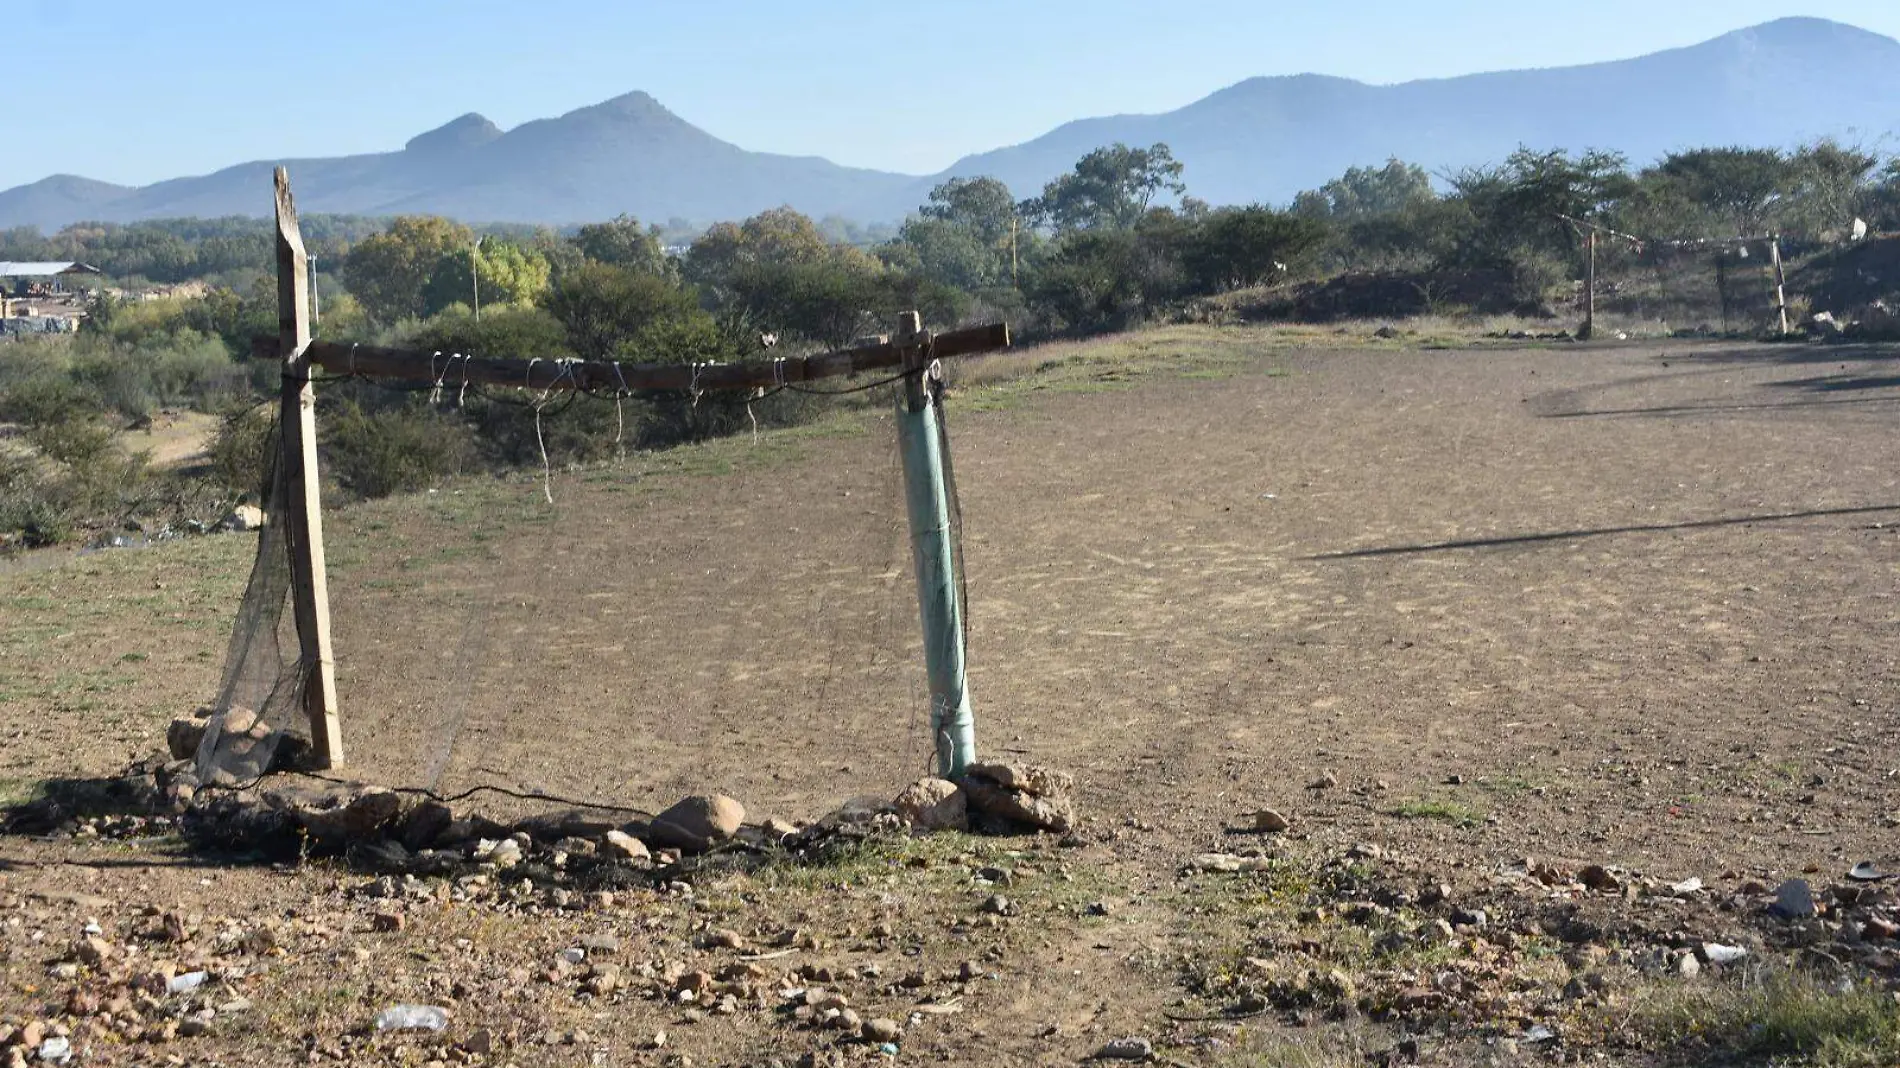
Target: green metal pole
(952, 725)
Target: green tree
(507, 272)
(604, 308)
(1829, 184)
(623, 242)
(967, 235)
(1110, 188)
(1367, 192)
(1518, 208)
(1737, 187)
(829, 302)
(388, 272)
(1238, 247)
(1088, 282)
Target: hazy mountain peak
(1807, 30)
(1261, 140)
(635, 105)
(468, 131)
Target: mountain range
(1263, 139)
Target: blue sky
(133, 91)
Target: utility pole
(939, 596)
(1015, 279)
(316, 299)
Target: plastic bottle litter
(186, 983)
(412, 1018)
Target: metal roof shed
(46, 269)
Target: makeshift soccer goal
(1732, 285)
(280, 671)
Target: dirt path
(1631, 606)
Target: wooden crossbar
(606, 376)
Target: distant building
(53, 308)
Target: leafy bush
(239, 454)
(407, 447)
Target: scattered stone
(1601, 879)
(777, 829)
(336, 814)
(1686, 887)
(1879, 927)
(600, 945)
(603, 979)
(243, 519)
(55, 1050)
(1688, 966)
(1021, 794)
(387, 921)
(881, 1029)
(622, 846)
(1227, 862)
(697, 823)
(183, 737)
(566, 823)
(186, 982)
(1126, 1049)
(93, 951)
(1477, 918)
(422, 826)
(1716, 953)
(932, 804)
(1270, 821)
(998, 905)
(480, 1042)
(1794, 900)
(1326, 781)
(412, 1018)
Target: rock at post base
(1794, 900)
(620, 845)
(1021, 794)
(245, 517)
(336, 814)
(183, 738)
(934, 805)
(422, 825)
(698, 823)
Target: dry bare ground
(1473, 618)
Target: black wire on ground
(445, 799)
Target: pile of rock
(998, 798)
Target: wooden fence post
(939, 596)
(1781, 286)
(1589, 291)
(297, 424)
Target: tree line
(1118, 239)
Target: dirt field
(1630, 606)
